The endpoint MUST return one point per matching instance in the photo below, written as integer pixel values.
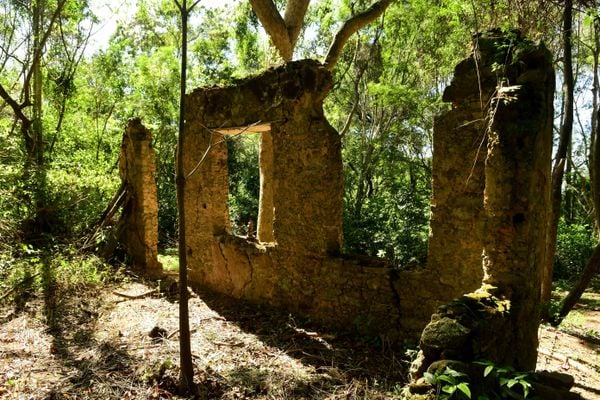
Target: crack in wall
(226, 264)
(393, 277)
(246, 284)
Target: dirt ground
(98, 347)
(95, 343)
(574, 348)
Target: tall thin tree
(186, 378)
(566, 132)
(592, 267)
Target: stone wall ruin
(137, 228)
(295, 261)
(499, 321)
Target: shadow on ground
(356, 357)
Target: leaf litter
(120, 341)
(110, 342)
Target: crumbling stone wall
(499, 321)
(300, 157)
(138, 224)
(456, 222)
(295, 262)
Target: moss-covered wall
(499, 321)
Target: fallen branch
(134, 296)
(236, 344)
(114, 205)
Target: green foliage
(29, 270)
(386, 102)
(449, 384)
(388, 86)
(244, 181)
(575, 243)
(170, 262)
(393, 225)
(247, 46)
(504, 382)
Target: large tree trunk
(275, 26)
(284, 31)
(561, 155)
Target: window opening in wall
(244, 183)
(250, 166)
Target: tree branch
(349, 28)
(294, 19)
(193, 5)
(16, 107)
(275, 27)
(38, 54)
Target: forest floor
(574, 347)
(119, 340)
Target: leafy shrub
(450, 384)
(574, 247)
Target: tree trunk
(593, 265)
(595, 144)
(561, 155)
(275, 26)
(284, 31)
(34, 171)
(186, 377)
(569, 198)
(349, 28)
(37, 152)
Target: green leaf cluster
(449, 384)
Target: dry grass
(91, 343)
(73, 335)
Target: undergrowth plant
(496, 383)
(504, 382)
(32, 270)
(449, 384)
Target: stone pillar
(139, 221)
(265, 209)
(517, 198)
(499, 321)
(459, 150)
(455, 227)
(207, 186)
